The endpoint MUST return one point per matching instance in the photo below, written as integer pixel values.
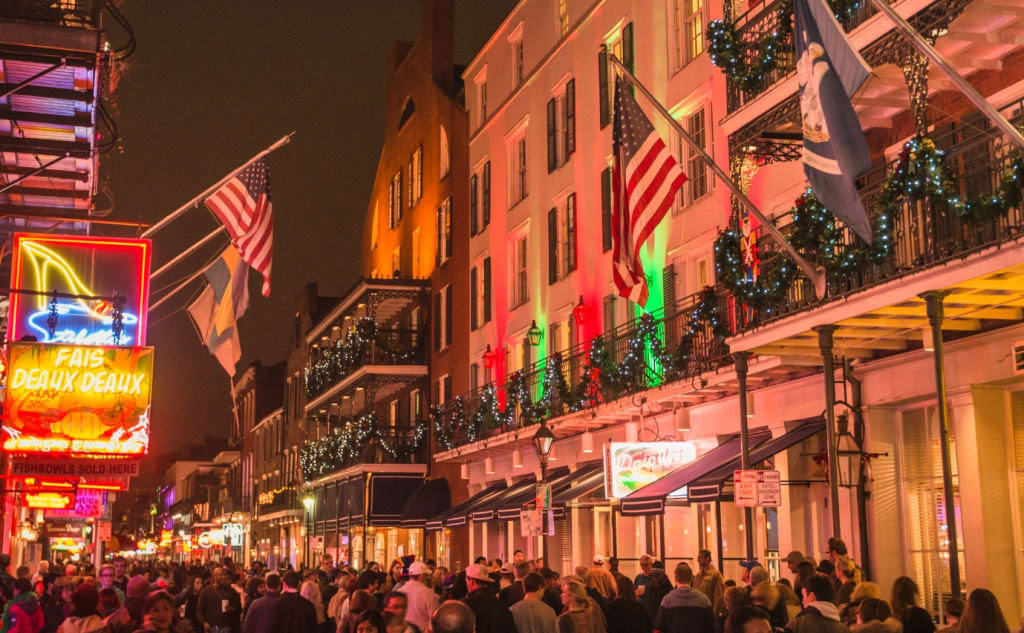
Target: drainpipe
(935, 316)
(825, 344)
(740, 359)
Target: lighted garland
(919, 174)
(748, 70)
(349, 353)
(703, 320)
(345, 445)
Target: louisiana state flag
(835, 152)
(223, 301)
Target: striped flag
(243, 207)
(223, 301)
(645, 179)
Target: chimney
(439, 34)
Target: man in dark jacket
(220, 608)
(819, 614)
(260, 618)
(515, 592)
(292, 612)
(684, 609)
(492, 616)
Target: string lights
(346, 445)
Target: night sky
(210, 85)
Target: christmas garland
(345, 445)
(747, 69)
(920, 174)
(348, 354)
(646, 363)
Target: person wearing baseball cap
(492, 616)
(793, 559)
(598, 560)
(421, 599)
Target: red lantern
(488, 357)
(581, 313)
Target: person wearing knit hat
(84, 616)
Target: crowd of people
(518, 596)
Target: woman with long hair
(360, 602)
(581, 615)
(600, 586)
(626, 614)
(189, 598)
(254, 588)
(904, 607)
(982, 614)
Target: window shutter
(437, 322)
(609, 314)
(487, 194)
(602, 87)
(552, 246)
(412, 179)
(552, 138)
(474, 321)
(391, 205)
(570, 117)
(398, 197)
(448, 227)
(448, 315)
(473, 204)
(487, 290)
(419, 172)
(606, 209)
(627, 46)
(668, 287)
(447, 387)
(438, 244)
(570, 232)
(631, 314)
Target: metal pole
(718, 535)
(175, 291)
(926, 49)
(935, 316)
(825, 344)
(815, 273)
(544, 514)
(191, 249)
(740, 360)
(41, 168)
(173, 215)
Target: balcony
(652, 351)
(278, 501)
(59, 12)
(365, 440)
(365, 345)
(961, 234)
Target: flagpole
(815, 274)
(926, 49)
(284, 140)
(175, 291)
(186, 253)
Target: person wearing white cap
(421, 599)
(598, 560)
(492, 616)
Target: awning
(430, 499)
(584, 481)
(510, 505)
(489, 510)
(388, 493)
(710, 486)
(651, 498)
(457, 516)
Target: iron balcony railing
(384, 346)
(280, 500)
(925, 233)
(62, 12)
(683, 345)
(366, 440)
(762, 21)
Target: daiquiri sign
(629, 466)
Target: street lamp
(543, 440)
(581, 313)
(308, 501)
(534, 334)
(488, 357)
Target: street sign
(756, 488)
(543, 501)
(233, 534)
(530, 523)
(103, 530)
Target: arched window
(446, 159)
(407, 112)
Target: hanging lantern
(581, 313)
(534, 334)
(488, 357)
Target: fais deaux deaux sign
(629, 466)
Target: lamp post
(309, 501)
(543, 440)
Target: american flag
(645, 179)
(243, 206)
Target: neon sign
(86, 266)
(629, 466)
(50, 500)
(75, 399)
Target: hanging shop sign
(104, 529)
(629, 466)
(531, 523)
(78, 399)
(50, 500)
(94, 268)
(754, 488)
(233, 534)
(212, 538)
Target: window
(474, 196)
(562, 239)
(481, 99)
(688, 30)
(415, 404)
(447, 292)
(608, 312)
(396, 262)
(519, 66)
(407, 111)
(416, 176)
(696, 169)
(395, 204)
(520, 256)
(563, 17)
(480, 293)
(517, 160)
(474, 377)
(562, 126)
(621, 45)
(485, 195)
(392, 412)
(442, 319)
(445, 158)
(444, 231)
(606, 209)
(554, 338)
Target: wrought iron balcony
(650, 351)
(278, 500)
(977, 206)
(364, 440)
(60, 12)
(365, 345)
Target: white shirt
(422, 603)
